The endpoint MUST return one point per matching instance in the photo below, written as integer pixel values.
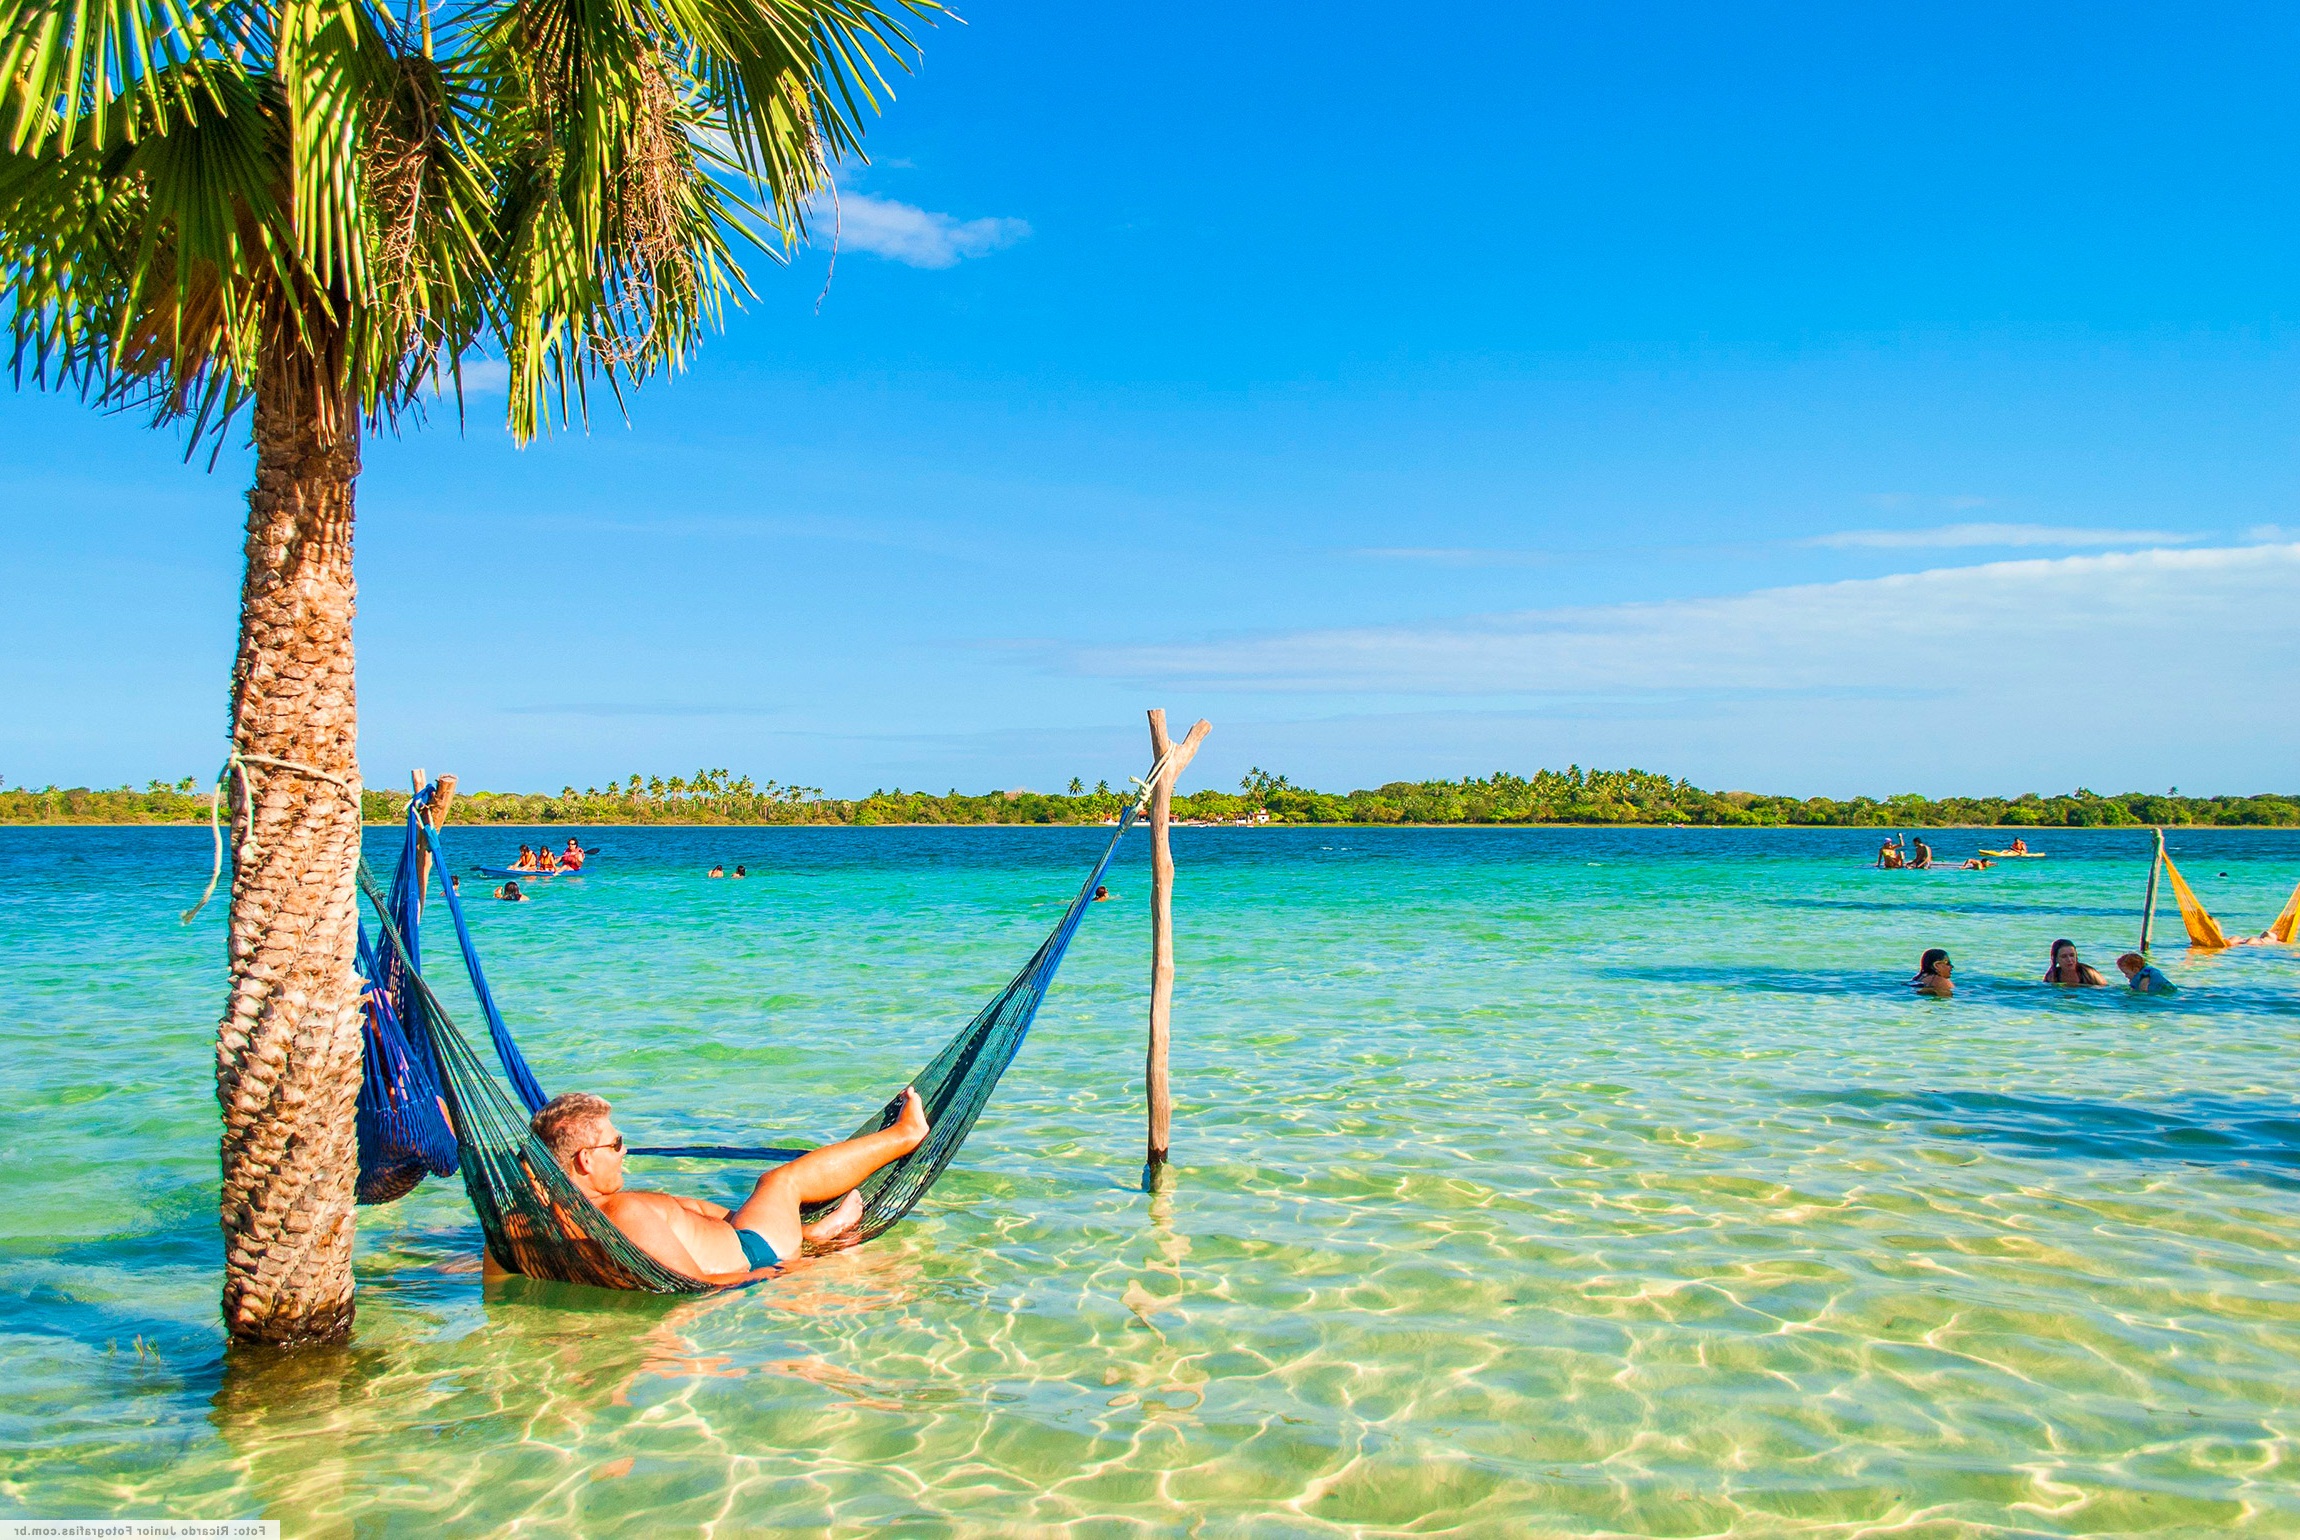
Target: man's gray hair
(567, 1122)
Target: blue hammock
(425, 1081)
(404, 1130)
(538, 1223)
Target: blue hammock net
(429, 1104)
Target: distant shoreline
(1573, 798)
(2046, 830)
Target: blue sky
(1823, 403)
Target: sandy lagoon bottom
(1545, 1181)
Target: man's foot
(838, 1221)
(912, 1124)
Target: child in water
(2142, 975)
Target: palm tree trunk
(288, 1049)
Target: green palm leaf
(562, 182)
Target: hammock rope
(536, 1221)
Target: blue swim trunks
(757, 1249)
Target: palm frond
(188, 187)
(73, 66)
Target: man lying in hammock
(699, 1238)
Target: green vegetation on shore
(1570, 796)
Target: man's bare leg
(820, 1175)
(837, 1222)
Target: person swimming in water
(2067, 969)
(510, 893)
(2143, 976)
(742, 871)
(1102, 895)
(1933, 970)
(1977, 864)
(717, 870)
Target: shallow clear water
(1543, 1181)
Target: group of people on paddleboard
(543, 862)
(542, 859)
(1914, 855)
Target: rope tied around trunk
(237, 770)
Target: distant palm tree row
(1570, 796)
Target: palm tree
(318, 210)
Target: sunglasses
(616, 1145)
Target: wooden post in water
(2148, 910)
(416, 781)
(1157, 1088)
(442, 795)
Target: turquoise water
(1542, 1181)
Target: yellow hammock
(2205, 931)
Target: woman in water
(2066, 969)
(510, 893)
(1933, 970)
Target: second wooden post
(1157, 1086)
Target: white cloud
(480, 377)
(915, 236)
(2016, 631)
(1968, 536)
(485, 376)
